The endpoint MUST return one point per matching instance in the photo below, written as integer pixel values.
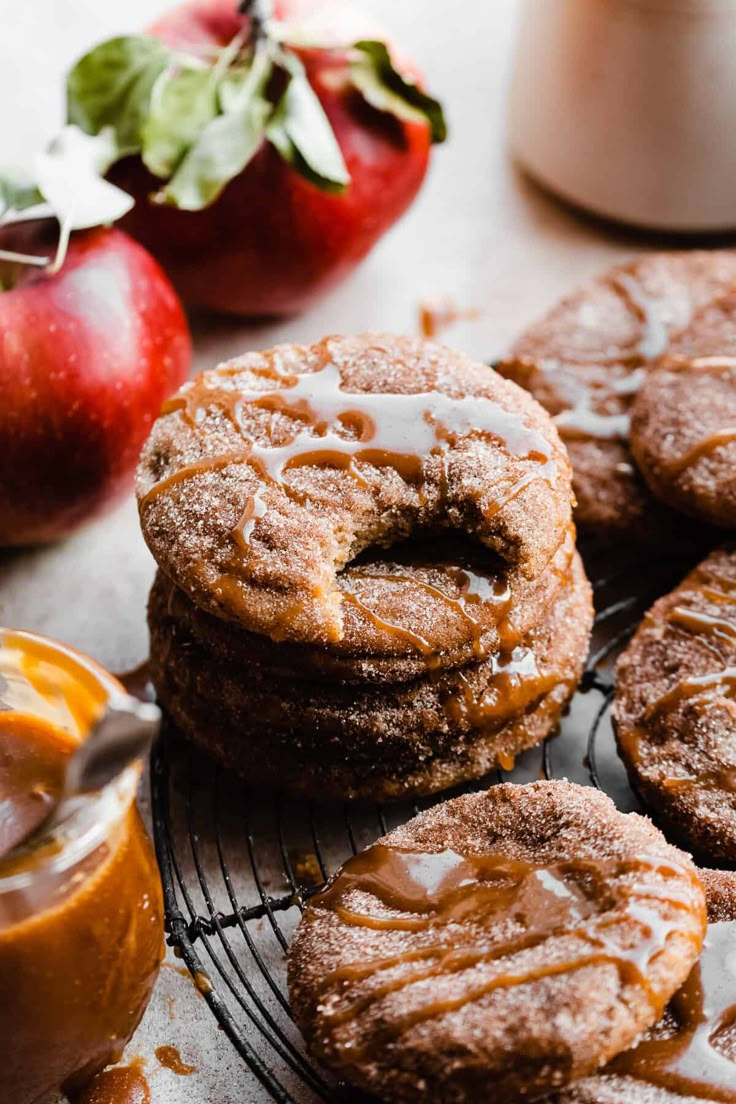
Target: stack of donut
(368, 583)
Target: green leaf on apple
(222, 150)
(112, 86)
(382, 85)
(302, 134)
(183, 101)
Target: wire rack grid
(238, 864)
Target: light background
(479, 234)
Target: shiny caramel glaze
(432, 604)
(121, 1085)
(33, 756)
(458, 950)
(684, 419)
(265, 477)
(674, 712)
(374, 738)
(690, 1054)
(589, 357)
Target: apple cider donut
(690, 1055)
(683, 428)
(380, 740)
(418, 607)
(586, 360)
(675, 709)
(263, 478)
(504, 942)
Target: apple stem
(23, 258)
(260, 13)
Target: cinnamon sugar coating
(381, 740)
(683, 429)
(585, 360)
(516, 938)
(269, 474)
(675, 709)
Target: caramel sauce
(702, 448)
(697, 621)
(170, 1058)
(436, 315)
(33, 758)
(515, 684)
(121, 1085)
(688, 1059)
(393, 890)
(475, 589)
(340, 429)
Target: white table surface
(479, 234)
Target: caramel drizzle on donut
(516, 684)
(702, 689)
(581, 421)
(456, 900)
(341, 429)
(703, 448)
(474, 590)
(687, 1061)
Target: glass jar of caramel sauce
(81, 913)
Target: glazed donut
(507, 941)
(263, 478)
(683, 426)
(585, 361)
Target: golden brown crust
(533, 1032)
(675, 712)
(585, 360)
(683, 428)
(493, 470)
(382, 741)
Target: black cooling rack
(239, 864)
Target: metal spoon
(123, 734)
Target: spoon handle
(124, 733)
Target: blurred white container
(628, 108)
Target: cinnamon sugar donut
(380, 740)
(675, 709)
(422, 605)
(588, 357)
(263, 478)
(690, 1055)
(505, 943)
(683, 428)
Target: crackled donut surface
(263, 478)
(518, 937)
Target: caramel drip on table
(701, 449)
(170, 1058)
(339, 429)
(475, 589)
(453, 898)
(689, 1061)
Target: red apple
(86, 358)
(273, 241)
